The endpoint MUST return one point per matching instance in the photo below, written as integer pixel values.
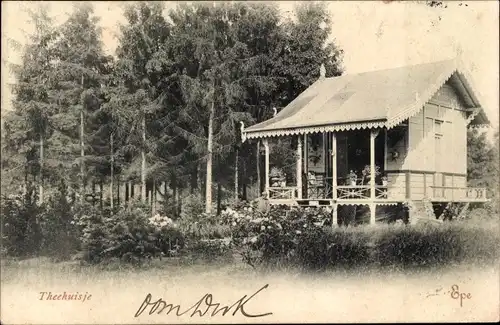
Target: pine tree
(80, 69)
(141, 69)
(27, 127)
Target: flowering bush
(162, 221)
(128, 235)
(303, 237)
(204, 226)
(273, 238)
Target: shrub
(192, 205)
(129, 235)
(209, 250)
(298, 238)
(204, 226)
(336, 248)
(59, 231)
(20, 218)
(422, 245)
(270, 240)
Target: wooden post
(259, 180)
(306, 163)
(306, 152)
(335, 215)
(266, 147)
(385, 149)
(334, 168)
(373, 135)
(299, 167)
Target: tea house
(373, 139)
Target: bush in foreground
(20, 219)
(128, 235)
(298, 238)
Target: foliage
(482, 165)
(29, 121)
(156, 97)
(302, 238)
(21, 231)
(129, 235)
(271, 239)
(59, 232)
(352, 176)
(192, 206)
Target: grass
(394, 247)
(363, 292)
(333, 296)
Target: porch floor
(331, 202)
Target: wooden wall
(424, 158)
(396, 184)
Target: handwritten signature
(454, 293)
(201, 307)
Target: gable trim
(315, 129)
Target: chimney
(322, 71)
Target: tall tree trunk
(127, 192)
(82, 155)
(194, 179)
(112, 173)
(41, 169)
(101, 203)
(219, 198)
(179, 202)
(236, 186)
(244, 181)
(201, 181)
(93, 193)
(118, 191)
(153, 198)
(25, 187)
(174, 196)
(208, 185)
(143, 154)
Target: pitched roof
(374, 99)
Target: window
(437, 152)
(438, 130)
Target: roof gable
(372, 99)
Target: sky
(373, 34)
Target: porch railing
(459, 193)
(382, 192)
(363, 192)
(353, 192)
(283, 193)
